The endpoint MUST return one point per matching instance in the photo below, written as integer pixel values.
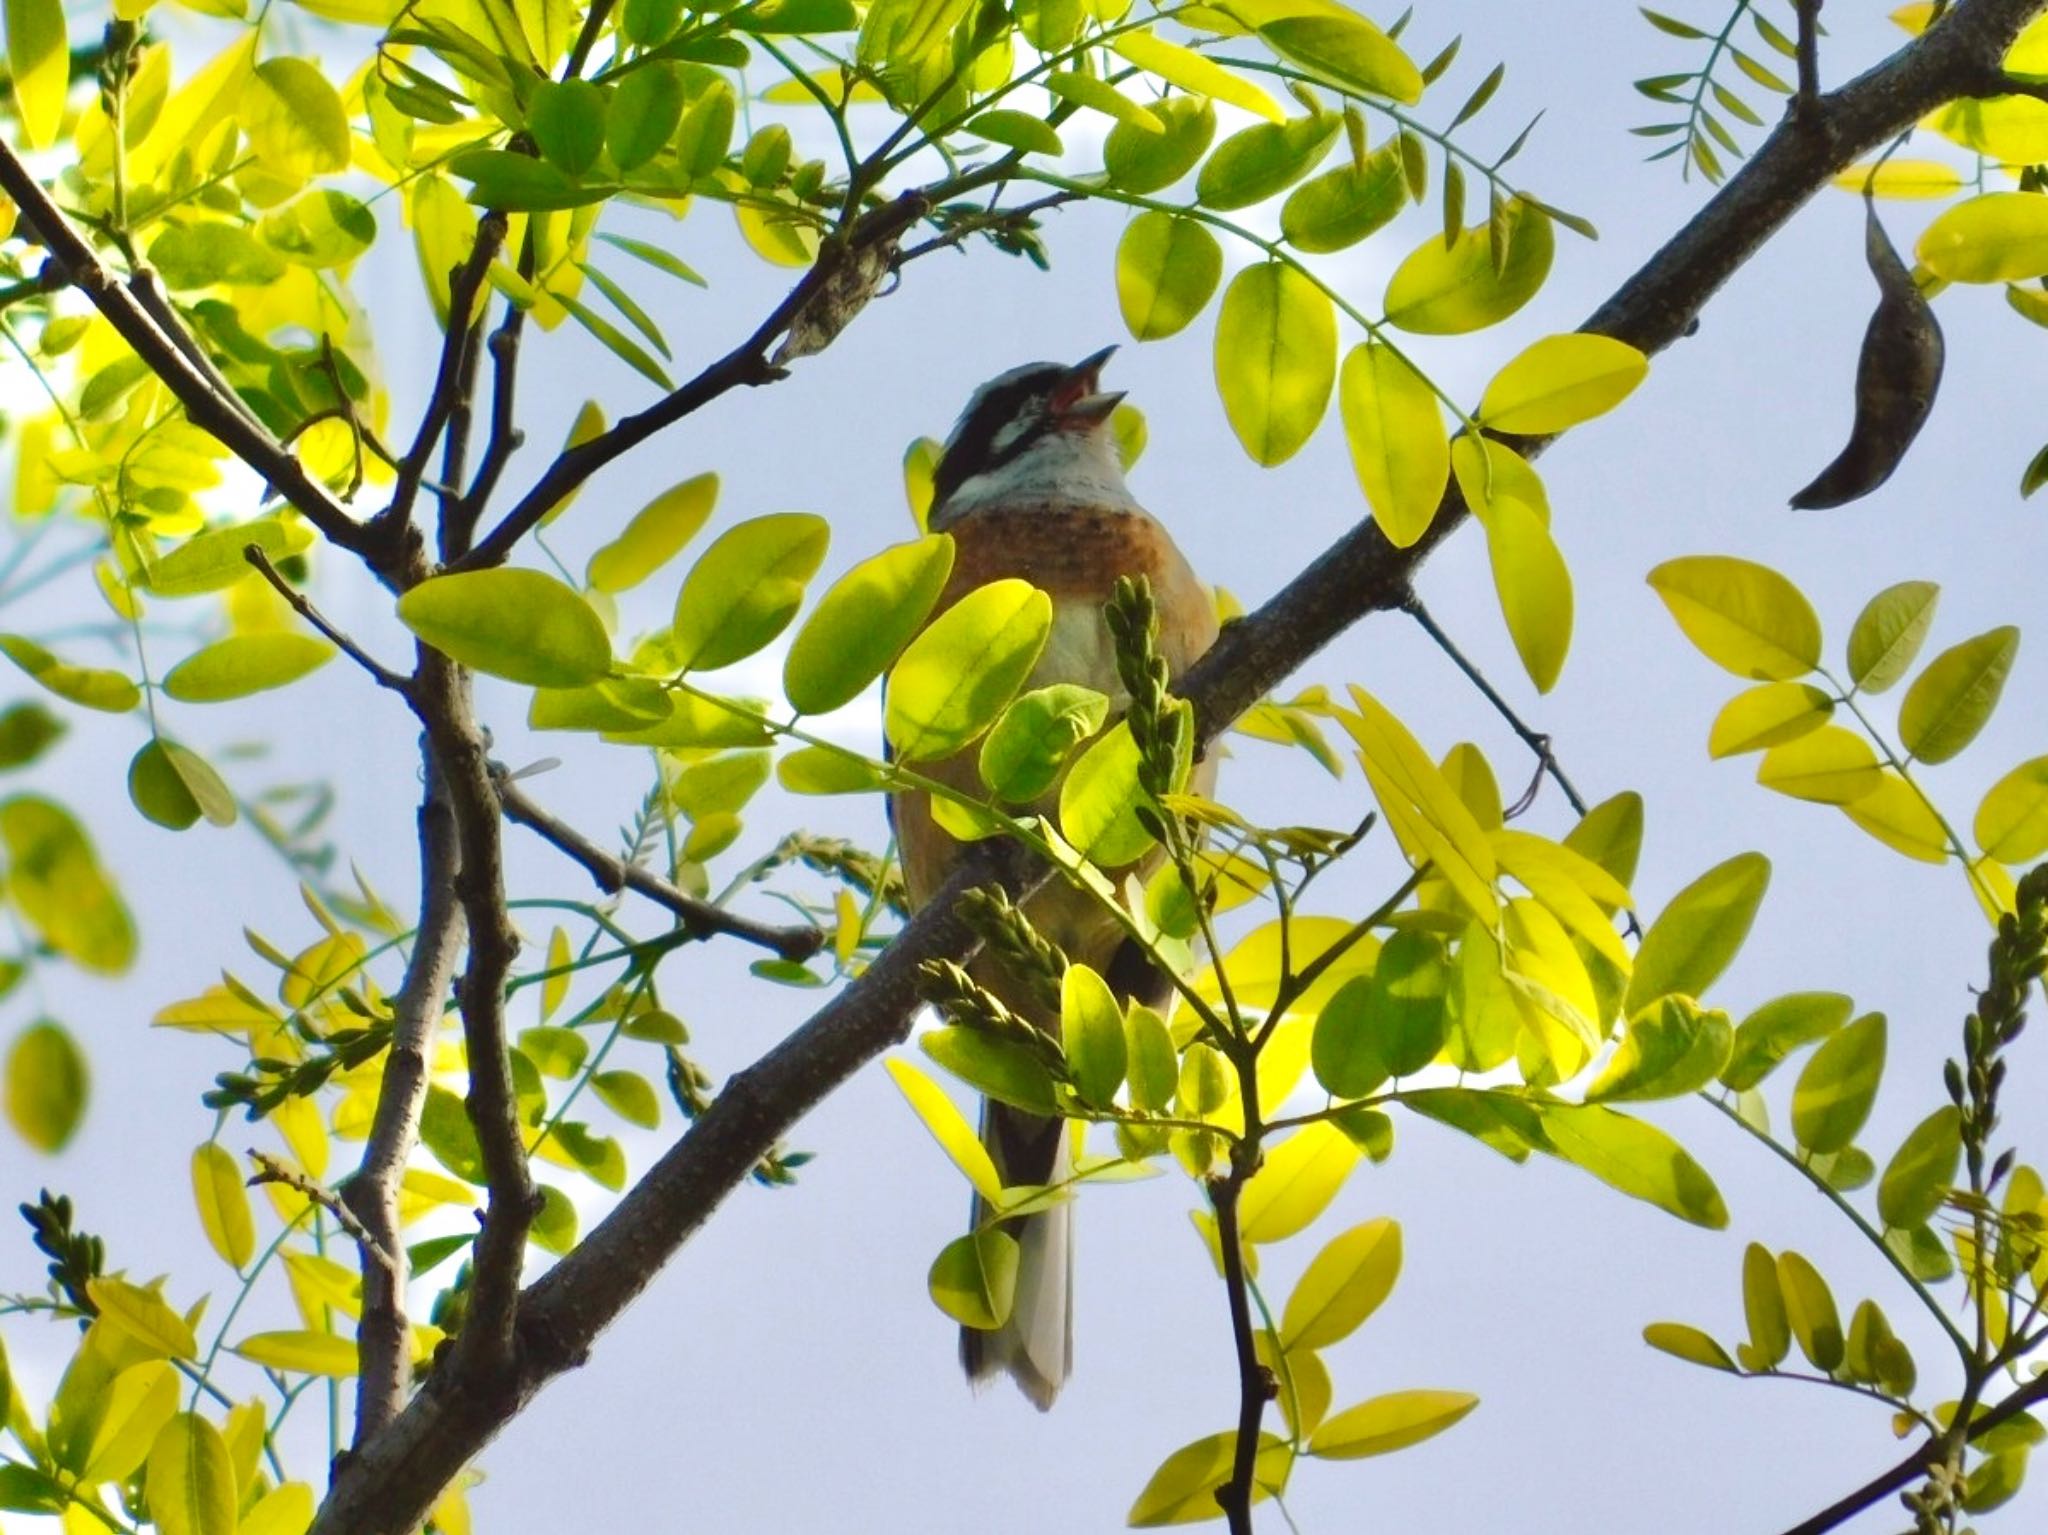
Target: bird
(1031, 484)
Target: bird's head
(1026, 430)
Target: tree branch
(383, 1335)
(1255, 1383)
(209, 404)
(701, 919)
(392, 1483)
(301, 604)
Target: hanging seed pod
(1895, 379)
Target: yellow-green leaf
(1888, 633)
(1534, 586)
(1829, 766)
(1349, 49)
(300, 1353)
(191, 1479)
(1687, 1343)
(1138, 159)
(1183, 1489)
(288, 1510)
(1337, 209)
(522, 625)
(1916, 1181)
(1167, 269)
(746, 587)
(140, 1401)
(1399, 448)
(143, 1317)
(1101, 797)
(997, 1068)
(1087, 91)
(957, 676)
(39, 60)
(1016, 130)
(1996, 237)
(217, 558)
(1699, 932)
(863, 622)
(2012, 818)
(1810, 1310)
(1424, 811)
(1342, 1286)
(1769, 714)
(174, 786)
(1191, 71)
(974, 1278)
(1952, 699)
(1902, 178)
(1742, 616)
(56, 882)
(243, 664)
(1388, 1423)
(1777, 1028)
(1021, 757)
(1299, 1178)
(1673, 1046)
(1838, 1086)
(1263, 160)
(948, 1127)
(1763, 1306)
(223, 1203)
(1636, 1158)
(1447, 291)
(89, 686)
(1276, 359)
(295, 120)
(656, 534)
(1092, 1034)
(1561, 381)
(46, 1086)
(1898, 815)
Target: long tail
(1036, 1345)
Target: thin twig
(701, 919)
(1807, 96)
(303, 606)
(274, 1171)
(1255, 1384)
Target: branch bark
(389, 1486)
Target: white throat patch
(1079, 467)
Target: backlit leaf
(1634, 1157)
(1699, 931)
(1192, 71)
(974, 1278)
(1021, 757)
(1137, 159)
(223, 1203)
(46, 1086)
(2012, 818)
(1952, 699)
(1769, 714)
(1916, 1181)
(957, 676)
(1342, 1286)
(1995, 237)
(1337, 209)
(1888, 633)
(1349, 49)
(1092, 1033)
(1183, 1489)
(1763, 1307)
(1299, 1178)
(1399, 448)
(89, 686)
(1672, 1047)
(300, 1353)
(1101, 798)
(1276, 359)
(294, 118)
(997, 1068)
(522, 625)
(1534, 586)
(243, 664)
(1779, 1027)
(191, 1479)
(1744, 617)
(1828, 766)
(655, 535)
(746, 587)
(39, 63)
(1388, 1423)
(1839, 1085)
(1447, 292)
(863, 622)
(56, 882)
(1898, 815)
(1264, 160)
(1560, 381)
(1810, 1309)
(1687, 1343)
(948, 1127)
(1167, 269)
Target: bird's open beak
(1081, 400)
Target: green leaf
(1276, 359)
(1192, 71)
(324, 228)
(174, 786)
(1092, 1033)
(294, 118)
(514, 183)
(1560, 381)
(656, 257)
(1139, 160)
(1779, 1027)
(614, 340)
(1636, 1158)
(1183, 1489)
(1263, 160)
(1769, 714)
(46, 1086)
(553, 1231)
(2012, 818)
(1838, 1086)
(141, 1400)
(628, 1095)
(1534, 586)
(1350, 50)
(243, 664)
(746, 587)
(1917, 1180)
(1337, 209)
(957, 676)
(863, 622)
(522, 625)
(1167, 269)
(1016, 130)
(1996, 237)
(1101, 799)
(1699, 931)
(974, 1278)
(827, 770)
(1810, 1310)
(1689, 1344)
(613, 704)
(216, 559)
(1671, 1047)
(1952, 699)
(223, 1203)
(555, 1052)
(1342, 1286)
(1399, 448)
(948, 1127)
(1888, 633)
(27, 730)
(1021, 757)
(1343, 1051)
(1826, 766)
(1388, 1423)
(89, 686)
(1153, 1067)
(645, 109)
(1763, 1307)
(191, 1479)
(1087, 91)
(1743, 617)
(1296, 1183)
(39, 64)
(655, 535)
(1898, 815)
(996, 1068)
(567, 121)
(56, 882)
(1441, 291)
(201, 255)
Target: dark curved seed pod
(1896, 378)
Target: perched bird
(1031, 485)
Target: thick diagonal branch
(391, 1484)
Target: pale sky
(787, 1372)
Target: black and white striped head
(1019, 423)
